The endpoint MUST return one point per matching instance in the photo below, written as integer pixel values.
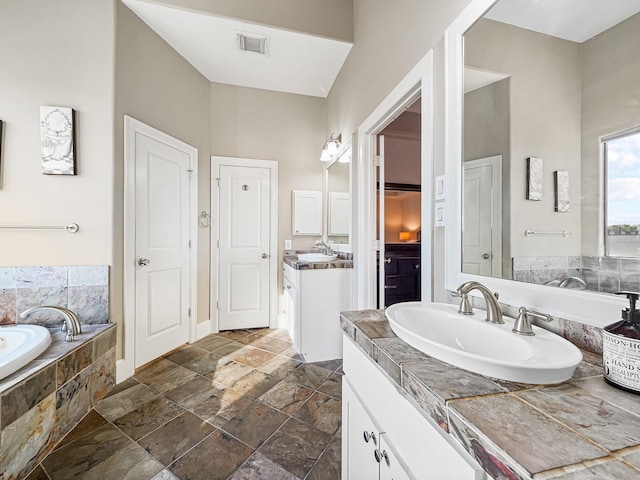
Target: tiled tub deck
(43, 401)
(582, 428)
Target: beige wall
(252, 123)
(610, 104)
(389, 39)
(56, 53)
(155, 85)
(544, 76)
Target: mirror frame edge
(584, 307)
(346, 145)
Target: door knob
(387, 260)
(143, 262)
(265, 255)
(486, 256)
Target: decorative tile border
(83, 289)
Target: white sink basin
(468, 342)
(316, 257)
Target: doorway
(417, 84)
(399, 224)
(244, 195)
(159, 249)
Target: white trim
(272, 165)
(418, 82)
(126, 367)
(584, 307)
(202, 330)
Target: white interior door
(162, 241)
(482, 217)
(244, 246)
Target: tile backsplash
(602, 274)
(83, 289)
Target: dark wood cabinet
(401, 273)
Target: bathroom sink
(316, 257)
(468, 342)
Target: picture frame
(561, 188)
(534, 178)
(57, 140)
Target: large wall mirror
(338, 201)
(551, 144)
(543, 152)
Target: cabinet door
(361, 442)
(306, 213)
(391, 467)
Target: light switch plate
(439, 187)
(438, 217)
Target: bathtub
(19, 344)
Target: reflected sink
(468, 342)
(316, 257)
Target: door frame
(126, 366)
(272, 165)
(495, 162)
(417, 83)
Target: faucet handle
(465, 307)
(522, 325)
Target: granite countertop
(582, 428)
(291, 259)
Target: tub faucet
(494, 313)
(71, 324)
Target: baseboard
(203, 329)
(124, 370)
(280, 322)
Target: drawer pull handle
(391, 286)
(369, 436)
(380, 455)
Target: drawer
(290, 274)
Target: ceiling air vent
(253, 43)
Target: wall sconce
(404, 236)
(330, 148)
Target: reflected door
(482, 231)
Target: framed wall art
(534, 178)
(57, 143)
(561, 184)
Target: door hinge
(377, 160)
(189, 243)
(217, 305)
(190, 172)
(218, 180)
(189, 312)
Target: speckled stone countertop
(292, 260)
(579, 429)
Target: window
(622, 194)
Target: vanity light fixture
(330, 148)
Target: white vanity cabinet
(415, 447)
(313, 301)
(370, 453)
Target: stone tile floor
(235, 405)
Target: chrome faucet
(494, 312)
(324, 248)
(575, 280)
(71, 324)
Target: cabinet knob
(417, 266)
(369, 436)
(380, 455)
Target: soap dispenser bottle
(621, 348)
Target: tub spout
(71, 324)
